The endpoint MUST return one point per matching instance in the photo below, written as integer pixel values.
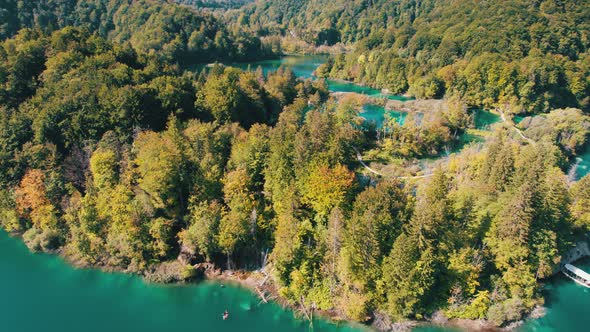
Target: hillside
(526, 56)
(214, 4)
(498, 22)
(171, 31)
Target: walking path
(359, 157)
(515, 128)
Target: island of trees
(116, 156)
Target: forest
(222, 5)
(116, 156)
(173, 32)
(523, 56)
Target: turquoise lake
(41, 292)
(376, 114)
(304, 65)
(483, 119)
(583, 164)
(567, 306)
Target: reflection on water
(483, 119)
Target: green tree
(104, 168)
(159, 168)
(201, 234)
(327, 188)
(238, 224)
(581, 203)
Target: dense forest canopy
(214, 4)
(499, 25)
(115, 156)
(524, 56)
(175, 32)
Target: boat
(578, 275)
(225, 315)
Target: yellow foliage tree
(327, 188)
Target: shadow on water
(302, 66)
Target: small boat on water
(225, 315)
(578, 275)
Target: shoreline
(261, 285)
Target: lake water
(304, 65)
(376, 114)
(568, 306)
(583, 164)
(518, 119)
(41, 292)
(483, 119)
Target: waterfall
(264, 256)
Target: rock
(439, 318)
(382, 322)
(514, 326)
(186, 255)
(403, 326)
(166, 272)
(538, 312)
(473, 325)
